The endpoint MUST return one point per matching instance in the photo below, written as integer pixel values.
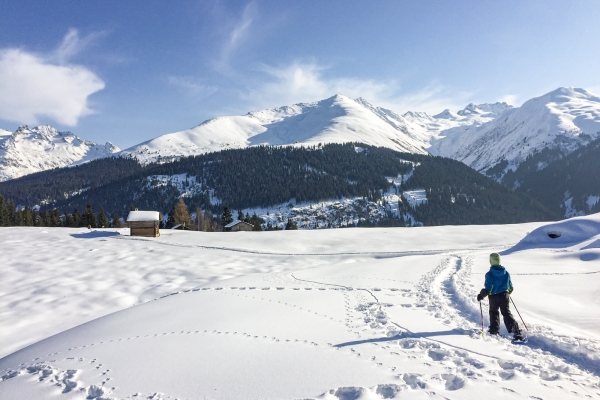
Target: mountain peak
(447, 114)
(29, 150)
(489, 109)
(564, 94)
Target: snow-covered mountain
(479, 135)
(565, 118)
(30, 150)
(337, 119)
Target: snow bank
(561, 234)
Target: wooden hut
(238, 226)
(143, 223)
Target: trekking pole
(481, 310)
(519, 313)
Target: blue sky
(127, 71)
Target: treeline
(259, 176)
(265, 176)
(10, 215)
(63, 183)
(459, 194)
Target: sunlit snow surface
(333, 314)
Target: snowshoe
(519, 339)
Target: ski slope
(376, 313)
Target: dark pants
(502, 301)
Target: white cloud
(73, 44)
(510, 99)
(235, 37)
(31, 86)
(192, 86)
(305, 82)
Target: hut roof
(234, 223)
(136, 216)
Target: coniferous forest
(262, 176)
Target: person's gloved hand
(482, 294)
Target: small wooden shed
(238, 226)
(143, 223)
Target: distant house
(237, 226)
(181, 227)
(143, 223)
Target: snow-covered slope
(30, 150)
(566, 118)
(365, 314)
(338, 119)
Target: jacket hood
(497, 270)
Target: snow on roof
(234, 223)
(143, 216)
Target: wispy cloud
(235, 36)
(32, 85)
(510, 99)
(192, 86)
(72, 44)
(303, 82)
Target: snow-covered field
(331, 314)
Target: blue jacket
(497, 280)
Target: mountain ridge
(565, 118)
(30, 150)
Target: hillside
(567, 184)
(328, 186)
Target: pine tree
(3, 213)
(102, 220)
(11, 212)
(255, 221)
(58, 219)
(39, 219)
(89, 218)
(18, 218)
(76, 219)
(226, 217)
(69, 221)
(27, 217)
(291, 225)
(116, 221)
(240, 215)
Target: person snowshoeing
(499, 287)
